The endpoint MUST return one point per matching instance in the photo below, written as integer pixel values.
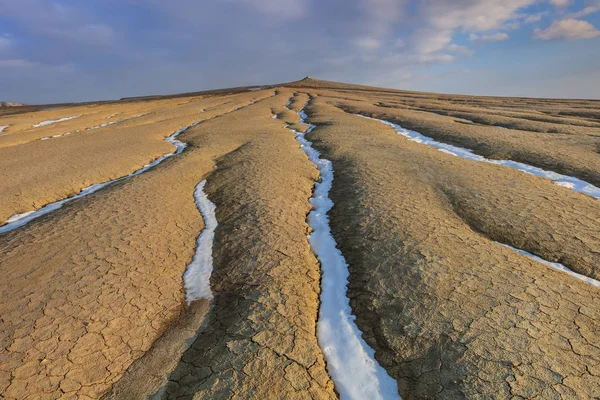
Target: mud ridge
(566, 181)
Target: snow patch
(17, 217)
(103, 125)
(54, 121)
(557, 266)
(3, 127)
(350, 361)
(562, 180)
(196, 278)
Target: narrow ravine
(350, 361)
(566, 181)
(19, 220)
(196, 278)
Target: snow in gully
(350, 361)
(569, 182)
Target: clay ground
(92, 302)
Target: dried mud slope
(444, 290)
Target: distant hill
(10, 104)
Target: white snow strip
(196, 278)
(103, 125)
(557, 266)
(350, 361)
(3, 127)
(95, 127)
(562, 180)
(468, 121)
(54, 121)
(16, 217)
(19, 220)
(110, 116)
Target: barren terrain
(467, 277)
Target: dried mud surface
(38, 172)
(450, 313)
(92, 302)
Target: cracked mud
(93, 300)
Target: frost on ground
(557, 266)
(561, 180)
(350, 361)
(196, 278)
(54, 121)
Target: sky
(79, 50)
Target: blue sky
(73, 50)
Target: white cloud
(473, 15)
(495, 37)
(435, 58)
(533, 18)
(586, 11)
(440, 20)
(428, 41)
(561, 3)
(461, 49)
(567, 29)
